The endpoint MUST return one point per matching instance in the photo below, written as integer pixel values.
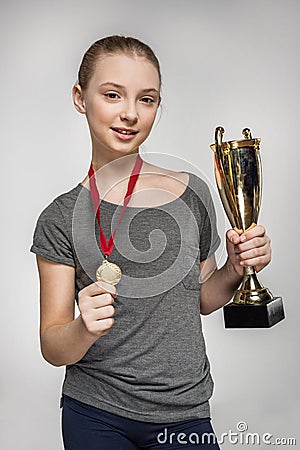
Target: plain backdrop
(233, 63)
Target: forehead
(129, 71)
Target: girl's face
(120, 103)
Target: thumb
(233, 236)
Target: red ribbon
(107, 246)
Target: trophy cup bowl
(238, 176)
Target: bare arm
(65, 340)
(218, 286)
(251, 248)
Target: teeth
(123, 131)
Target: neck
(112, 166)
(112, 172)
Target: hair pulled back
(112, 45)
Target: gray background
(230, 63)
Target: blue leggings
(87, 428)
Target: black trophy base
(264, 315)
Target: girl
(137, 374)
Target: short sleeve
(50, 238)
(209, 238)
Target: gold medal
(109, 272)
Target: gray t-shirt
(152, 365)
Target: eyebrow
(119, 86)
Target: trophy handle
(225, 190)
(247, 133)
(218, 140)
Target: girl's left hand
(251, 248)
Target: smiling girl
(137, 373)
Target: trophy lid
(248, 141)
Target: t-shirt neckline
(107, 204)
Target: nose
(129, 112)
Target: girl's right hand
(95, 303)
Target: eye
(112, 95)
(147, 100)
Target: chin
(124, 150)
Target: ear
(78, 99)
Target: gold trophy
(239, 180)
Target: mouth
(124, 133)
(125, 130)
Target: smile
(124, 133)
(124, 130)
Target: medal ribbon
(107, 246)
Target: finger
(256, 231)
(259, 261)
(101, 326)
(254, 253)
(104, 324)
(107, 287)
(256, 242)
(100, 287)
(99, 301)
(233, 236)
(104, 313)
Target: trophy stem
(251, 292)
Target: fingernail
(243, 238)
